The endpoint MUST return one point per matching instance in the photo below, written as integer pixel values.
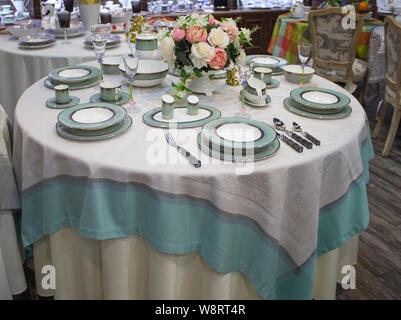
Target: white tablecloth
(282, 195)
(21, 68)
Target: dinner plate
(74, 74)
(320, 99)
(290, 107)
(264, 60)
(181, 118)
(95, 135)
(51, 103)
(270, 151)
(113, 40)
(92, 116)
(36, 40)
(124, 98)
(39, 46)
(236, 133)
(83, 85)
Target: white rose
(241, 59)
(201, 53)
(218, 38)
(167, 47)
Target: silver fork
(192, 160)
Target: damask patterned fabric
(333, 41)
(376, 56)
(393, 46)
(359, 68)
(390, 95)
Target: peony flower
(196, 34)
(178, 34)
(218, 38)
(201, 54)
(241, 59)
(230, 27)
(219, 60)
(167, 48)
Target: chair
(12, 279)
(392, 93)
(334, 47)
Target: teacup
(110, 91)
(62, 94)
(264, 74)
(167, 107)
(255, 91)
(193, 105)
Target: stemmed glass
(69, 5)
(99, 47)
(64, 19)
(131, 69)
(244, 75)
(304, 51)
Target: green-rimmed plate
(181, 119)
(238, 134)
(124, 98)
(95, 135)
(74, 74)
(320, 99)
(84, 85)
(270, 151)
(51, 103)
(265, 60)
(290, 107)
(92, 116)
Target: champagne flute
(99, 47)
(131, 68)
(244, 74)
(64, 19)
(304, 51)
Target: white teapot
(297, 11)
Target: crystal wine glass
(99, 47)
(244, 74)
(64, 19)
(304, 51)
(131, 68)
(69, 5)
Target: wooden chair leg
(380, 120)
(393, 131)
(365, 81)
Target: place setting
(76, 77)
(267, 61)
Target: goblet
(304, 50)
(69, 5)
(244, 74)
(99, 47)
(64, 19)
(131, 69)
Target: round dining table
(130, 218)
(21, 68)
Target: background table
(288, 32)
(21, 68)
(118, 221)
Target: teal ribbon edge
(227, 242)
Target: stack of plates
(238, 139)
(271, 62)
(37, 41)
(113, 40)
(318, 103)
(93, 121)
(76, 77)
(76, 29)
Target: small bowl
(111, 65)
(120, 17)
(21, 31)
(29, 23)
(293, 73)
(150, 72)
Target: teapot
(297, 11)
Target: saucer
(124, 98)
(51, 103)
(273, 84)
(268, 100)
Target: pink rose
(219, 60)
(178, 34)
(196, 34)
(230, 27)
(213, 21)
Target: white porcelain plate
(181, 115)
(73, 73)
(92, 115)
(319, 97)
(239, 132)
(266, 60)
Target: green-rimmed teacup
(145, 42)
(62, 94)
(110, 91)
(263, 73)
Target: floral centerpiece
(200, 45)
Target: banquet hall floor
(378, 272)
